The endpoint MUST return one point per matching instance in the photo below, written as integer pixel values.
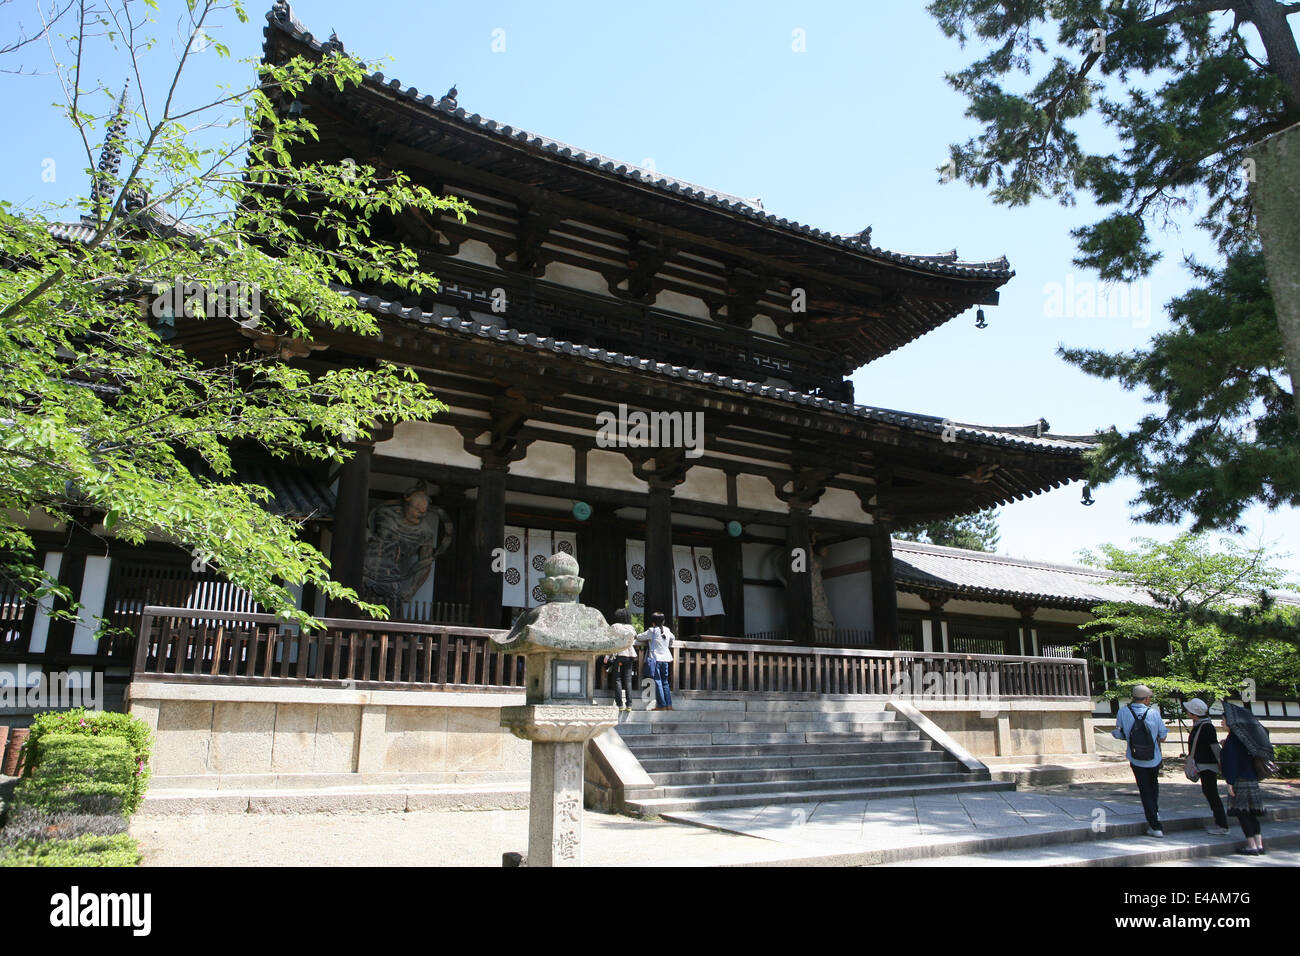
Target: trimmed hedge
(97, 725)
(31, 825)
(79, 774)
(1288, 759)
(89, 850)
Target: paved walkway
(846, 832)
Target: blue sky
(846, 133)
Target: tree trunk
(1269, 19)
(1277, 210)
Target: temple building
(650, 375)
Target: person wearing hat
(1204, 750)
(1146, 767)
(1246, 739)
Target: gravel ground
(427, 838)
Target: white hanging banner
(514, 592)
(539, 549)
(686, 592)
(707, 573)
(636, 576)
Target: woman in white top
(659, 655)
(623, 664)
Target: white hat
(1196, 706)
(1141, 692)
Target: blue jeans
(663, 678)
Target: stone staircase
(718, 752)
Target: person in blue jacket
(1146, 770)
(1246, 799)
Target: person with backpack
(1140, 724)
(1203, 761)
(659, 659)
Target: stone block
(242, 734)
(293, 749)
(475, 740)
(337, 730)
(414, 740)
(183, 738)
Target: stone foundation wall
(231, 737)
(1015, 728)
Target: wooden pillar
(489, 535)
(348, 543)
(936, 623)
(729, 560)
(798, 590)
(659, 548)
(884, 589)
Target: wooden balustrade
(231, 647)
(768, 669)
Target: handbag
(1189, 765)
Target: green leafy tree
(976, 532)
(1203, 602)
(110, 425)
(1187, 88)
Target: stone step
(655, 806)
(753, 727)
(1128, 850)
(832, 785)
(656, 748)
(680, 715)
(762, 759)
(635, 740)
(788, 775)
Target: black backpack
(1140, 741)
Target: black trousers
(1148, 781)
(1210, 787)
(624, 681)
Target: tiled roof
(982, 576)
(281, 17)
(1028, 436)
(294, 493)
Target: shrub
(101, 725)
(79, 774)
(32, 825)
(89, 850)
(1288, 759)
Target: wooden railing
(764, 668)
(822, 637)
(232, 647)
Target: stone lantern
(560, 641)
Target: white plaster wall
(472, 250)
(703, 484)
(907, 601)
(41, 624)
(764, 609)
(608, 469)
(94, 586)
(682, 304)
(425, 441)
(840, 504)
(764, 325)
(564, 274)
(849, 595)
(756, 492)
(547, 459)
(980, 608)
(758, 561)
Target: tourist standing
(1204, 753)
(1139, 723)
(623, 664)
(1246, 799)
(659, 658)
